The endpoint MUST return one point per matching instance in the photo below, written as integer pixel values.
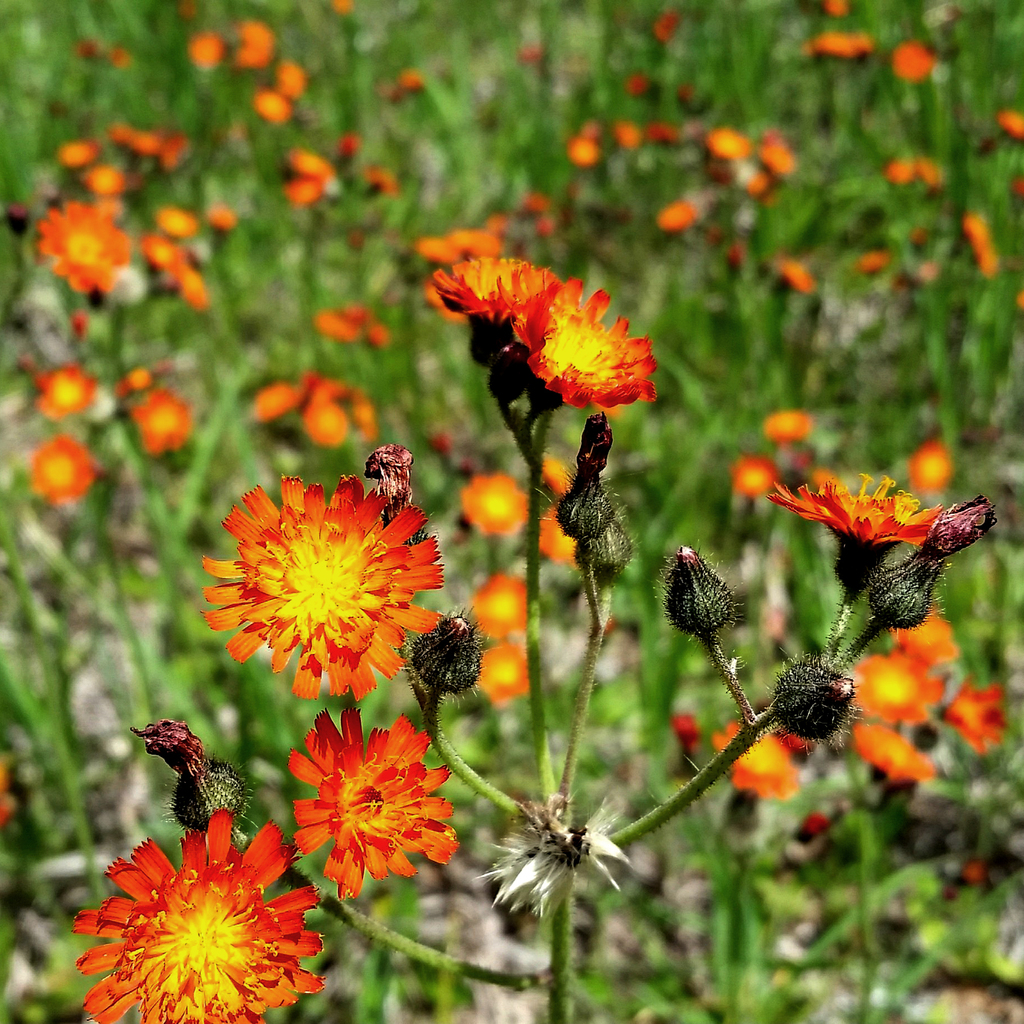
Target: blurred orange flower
(165, 421)
(221, 217)
(256, 45)
(677, 216)
(888, 751)
(874, 261)
(728, 144)
(160, 253)
(844, 45)
(977, 233)
(766, 768)
(176, 222)
(627, 135)
(556, 475)
(896, 688)
(503, 673)
(272, 106)
(1011, 121)
(787, 426)
(930, 468)
(277, 399)
(554, 544)
(88, 248)
(637, 84)
(584, 150)
(136, 379)
(932, 642)
(913, 61)
(206, 50)
(661, 132)
(835, 8)
(500, 606)
(411, 80)
(326, 422)
(291, 79)
(665, 25)
(776, 155)
(381, 180)
(978, 716)
(754, 475)
(494, 504)
(104, 180)
(62, 470)
(78, 153)
(796, 276)
(929, 172)
(65, 390)
(900, 172)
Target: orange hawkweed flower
(493, 290)
(787, 426)
(291, 79)
(88, 247)
(835, 8)
(411, 80)
(776, 155)
(929, 172)
(896, 688)
(256, 45)
(555, 475)
(913, 61)
(277, 399)
(381, 181)
(795, 275)
(637, 84)
(221, 217)
(65, 390)
(200, 944)
(900, 172)
(172, 147)
(500, 606)
(504, 673)
(176, 222)
(930, 468)
(78, 153)
(843, 45)
(494, 504)
(728, 144)
(754, 475)
(272, 106)
(326, 422)
(889, 752)
(677, 216)
(766, 768)
(327, 575)
(579, 358)
(553, 543)
(978, 716)
(304, 191)
(665, 26)
(344, 324)
(104, 180)
(627, 135)
(165, 421)
(62, 470)
(931, 643)
(161, 253)
(583, 150)
(375, 804)
(1011, 121)
(136, 379)
(977, 233)
(206, 50)
(874, 261)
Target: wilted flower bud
(17, 218)
(812, 700)
(900, 596)
(959, 527)
(595, 444)
(585, 512)
(697, 599)
(447, 659)
(205, 784)
(390, 466)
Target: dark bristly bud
(487, 338)
(608, 554)
(390, 465)
(900, 596)
(959, 527)
(205, 784)
(813, 701)
(510, 376)
(856, 562)
(585, 512)
(542, 398)
(697, 599)
(17, 218)
(447, 659)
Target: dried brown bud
(959, 527)
(390, 466)
(595, 444)
(176, 744)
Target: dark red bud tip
(687, 556)
(595, 444)
(390, 466)
(959, 527)
(17, 218)
(176, 744)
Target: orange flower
(473, 243)
(65, 390)
(494, 504)
(325, 422)
(930, 467)
(835, 8)
(381, 180)
(200, 944)
(821, 476)
(411, 80)
(493, 289)
(555, 475)
(913, 61)
(137, 379)
(627, 135)
(874, 261)
(272, 106)
(978, 716)
(104, 180)
(554, 544)
(437, 249)
(344, 324)
(176, 222)
(754, 475)
(787, 426)
(896, 688)
(665, 26)
(349, 144)
(874, 519)
(119, 57)
(503, 673)
(583, 150)
(291, 79)
(760, 187)
(891, 753)
(433, 297)
(728, 144)
(637, 84)
(900, 172)
(929, 172)
(304, 191)
(766, 768)
(931, 643)
(662, 133)
(977, 233)
(776, 155)
(206, 50)
(191, 285)
(161, 253)
(500, 606)
(165, 421)
(256, 45)
(375, 805)
(88, 247)
(78, 153)
(1011, 121)
(221, 217)
(172, 148)
(579, 358)
(277, 399)
(327, 575)
(796, 276)
(62, 470)
(677, 216)
(844, 45)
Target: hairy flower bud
(584, 511)
(900, 596)
(17, 218)
(959, 527)
(510, 376)
(390, 465)
(697, 599)
(487, 338)
(812, 700)
(447, 659)
(607, 555)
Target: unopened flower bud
(959, 527)
(447, 659)
(900, 596)
(510, 376)
(608, 554)
(17, 218)
(697, 599)
(812, 700)
(390, 466)
(487, 338)
(584, 512)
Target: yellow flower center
(59, 471)
(66, 392)
(83, 247)
(575, 343)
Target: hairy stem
(727, 670)
(838, 630)
(560, 998)
(857, 646)
(700, 783)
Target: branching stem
(727, 670)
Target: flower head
(200, 944)
(844, 45)
(504, 674)
(931, 643)
(754, 475)
(728, 144)
(494, 504)
(493, 289)
(787, 426)
(554, 543)
(913, 61)
(65, 390)
(62, 470)
(78, 153)
(165, 421)
(88, 248)
(766, 768)
(256, 44)
(930, 468)
(375, 804)
(500, 606)
(206, 49)
(327, 575)
(978, 715)
(1011, 121)
(176, 222)
(896, 688)
(890, 753)
(677, 216)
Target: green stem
(560, 998)
(857, 646)
(62, 730)
(727, 670)
(417, 951)
(586, 688)
(838, 630)
(700, 783)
